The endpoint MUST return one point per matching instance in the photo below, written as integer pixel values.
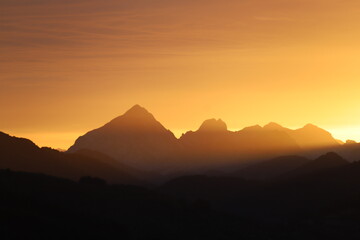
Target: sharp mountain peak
(213, 125)
(136, 116)
(137, 111)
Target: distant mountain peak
(252, 128)
(135, 137)
(136, 116)
(331, 156)
(310, 126)
(137, 110)
(349, 142)
(273, 126)
(213, 125)
(330, 159)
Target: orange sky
(70, 66)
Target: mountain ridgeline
(135, 148)
(133, 179)
(137, 139)
(23, 155)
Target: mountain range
(133, 179)
(135, 148)
(137, 139)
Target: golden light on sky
(67, 67)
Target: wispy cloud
(263, 18)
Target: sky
(67, 67)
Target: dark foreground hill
(290, 167)
(272, 168)
(329, 160)
(23, 155)
(322, 205)
(318, 204)
(36, 206)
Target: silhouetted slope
(272, 126)
(23, 155)
(213, 125)
(329, 160)
(210, 142)
(269, 142)
(321, 204)
(34, 206)
(272, 168)
(135, 138)
(327, 196)
(350, 151)
(311, 136)
(213, 145)
(109, 161)
(104, 158)
(145, 176)
(307, 137)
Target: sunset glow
(70, 66)
(180, 119)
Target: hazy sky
(68, 66)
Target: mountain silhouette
(275, 126)
(38, 206)
(192, 207)
(307, 137)
(267, 140)
(272, 168)
(117, 164)
(311, 136)
(135, 138)
(209, 143)
(213, 145)
(23, 155)
(213, 125)
(326, 161)
(284, 197)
